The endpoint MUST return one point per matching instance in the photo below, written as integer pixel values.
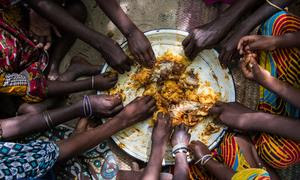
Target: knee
(278, 152)
(28, 109)
(78, 10)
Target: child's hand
(140, 48)
(252, 70)
(198, 149)
(248, 44)
(41, 30)
(162, 129)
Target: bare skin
(240, 117)
(211, 34)
(59, 42)
(110, 50)
(22, 125)
(160, 138)
(221, 171)
(181, 136)
(71, 74)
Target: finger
(82, 124)
(48, 42)
(147, 99)
(219, 103)
(194, 53)
(187, 40)
(148, 60)
(120, 70)
(152, 55)
(56, 31)
(189, 49)
(141, 59)
(117, 109)
(216, 110)
(152, 109)
(135, 166)
(221, 57)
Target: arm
(181, 170)
(240, 117)
(136, 111)
(28, 123)
(109, 49)
(160, 137)
(274, 124)
(288, 40)
(219, 170)
(138, 44)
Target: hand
(232, 114)
(162, 129)
(105, 81)
(115, 56)
(248, 44)
(105, 105)
(252, 70)
(198, 149)
(140, 48)
(200, 38)
(138, 110)
(180, 135)
(41, 30)
(229, 50)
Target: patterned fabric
(228, 153)
(252, 174)
(21, 61)
(27, 160)
(98, 163)
(283, 64)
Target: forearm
(289, 40)
(60, 88)
(231, 16)
(220, 171)
(153, 168)
(64, 21)
(86, 140)
(261, 14)
(284, 90)
(29, 123)
(113, 10)
(274, 124)
(181, 167)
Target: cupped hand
(140, 48)
(105, 105)
(248, 44)
(115, 56)
(252, 70)
(162, 129)
(180, 135)
(198, 149)
(40, 29)
(203, 37)
(138, 110)
(232, 114)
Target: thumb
(215, 110)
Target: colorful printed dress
(21, 63)
(33, 158)
(284, 64)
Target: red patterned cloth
(21, 64)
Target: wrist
(129, 31)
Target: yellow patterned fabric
(228, 153)
(283, 64)
(251, 174)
